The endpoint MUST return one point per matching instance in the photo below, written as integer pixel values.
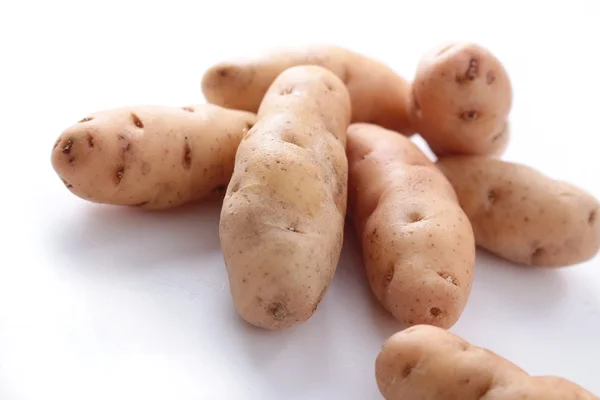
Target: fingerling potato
(282, 220)
(417, 243)
(378, 94)
(522, 215)
(153, 157)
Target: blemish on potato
(408, 369)
(471, 72)
(71, 160)
(86, 119)
(293, 228)
(136, 120)
(537, 253)
(67, 148)
(142, 204)
(492, 196)
(188, 109)
(490, 77)
(414, 216)
(290, 138)
(592, 217)
(187, 155)
(470, 115)
(286, 91)
(389, 276)
(235, 186)
(90, 140)
(278, 310)
(124, 142)
(435, 312)
(119, 174)
(449, 278)
(223, 72)
(67, 184)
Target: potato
(461, 98)
(417, 243)
(427, 362)
(154, 157)
(378, 94)
(522, 215)
(282, 219)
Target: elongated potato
(426, 362)
(283, 215)
(417, 243)
(522, 215)
(154, 157)
(462, 96)
(379, 95)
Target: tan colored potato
(283, 215)
(379, 95)
(417, 243)
(522, 215)
(154, 157)
(461, 98)
(426, 362)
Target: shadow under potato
(121, 240)
(515, 288)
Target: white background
(108, 303)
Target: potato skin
(283, 215)
(461, 98)
(153, 157)
(378, 94)
(427, 362)
(522, 215)
(417, 243)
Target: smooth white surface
(108, 303)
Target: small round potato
(461, 98)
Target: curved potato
(378, 94)
(282, 219)
(427, 362)
(522, 215)
(154, 157)
(417, 243)
(461, 98)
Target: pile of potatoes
(299, 140)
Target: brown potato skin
(429, 363)
(522, 215)
(461, 98)
(150, 156)
(378, 94)
(418, 245)
(283, 215)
